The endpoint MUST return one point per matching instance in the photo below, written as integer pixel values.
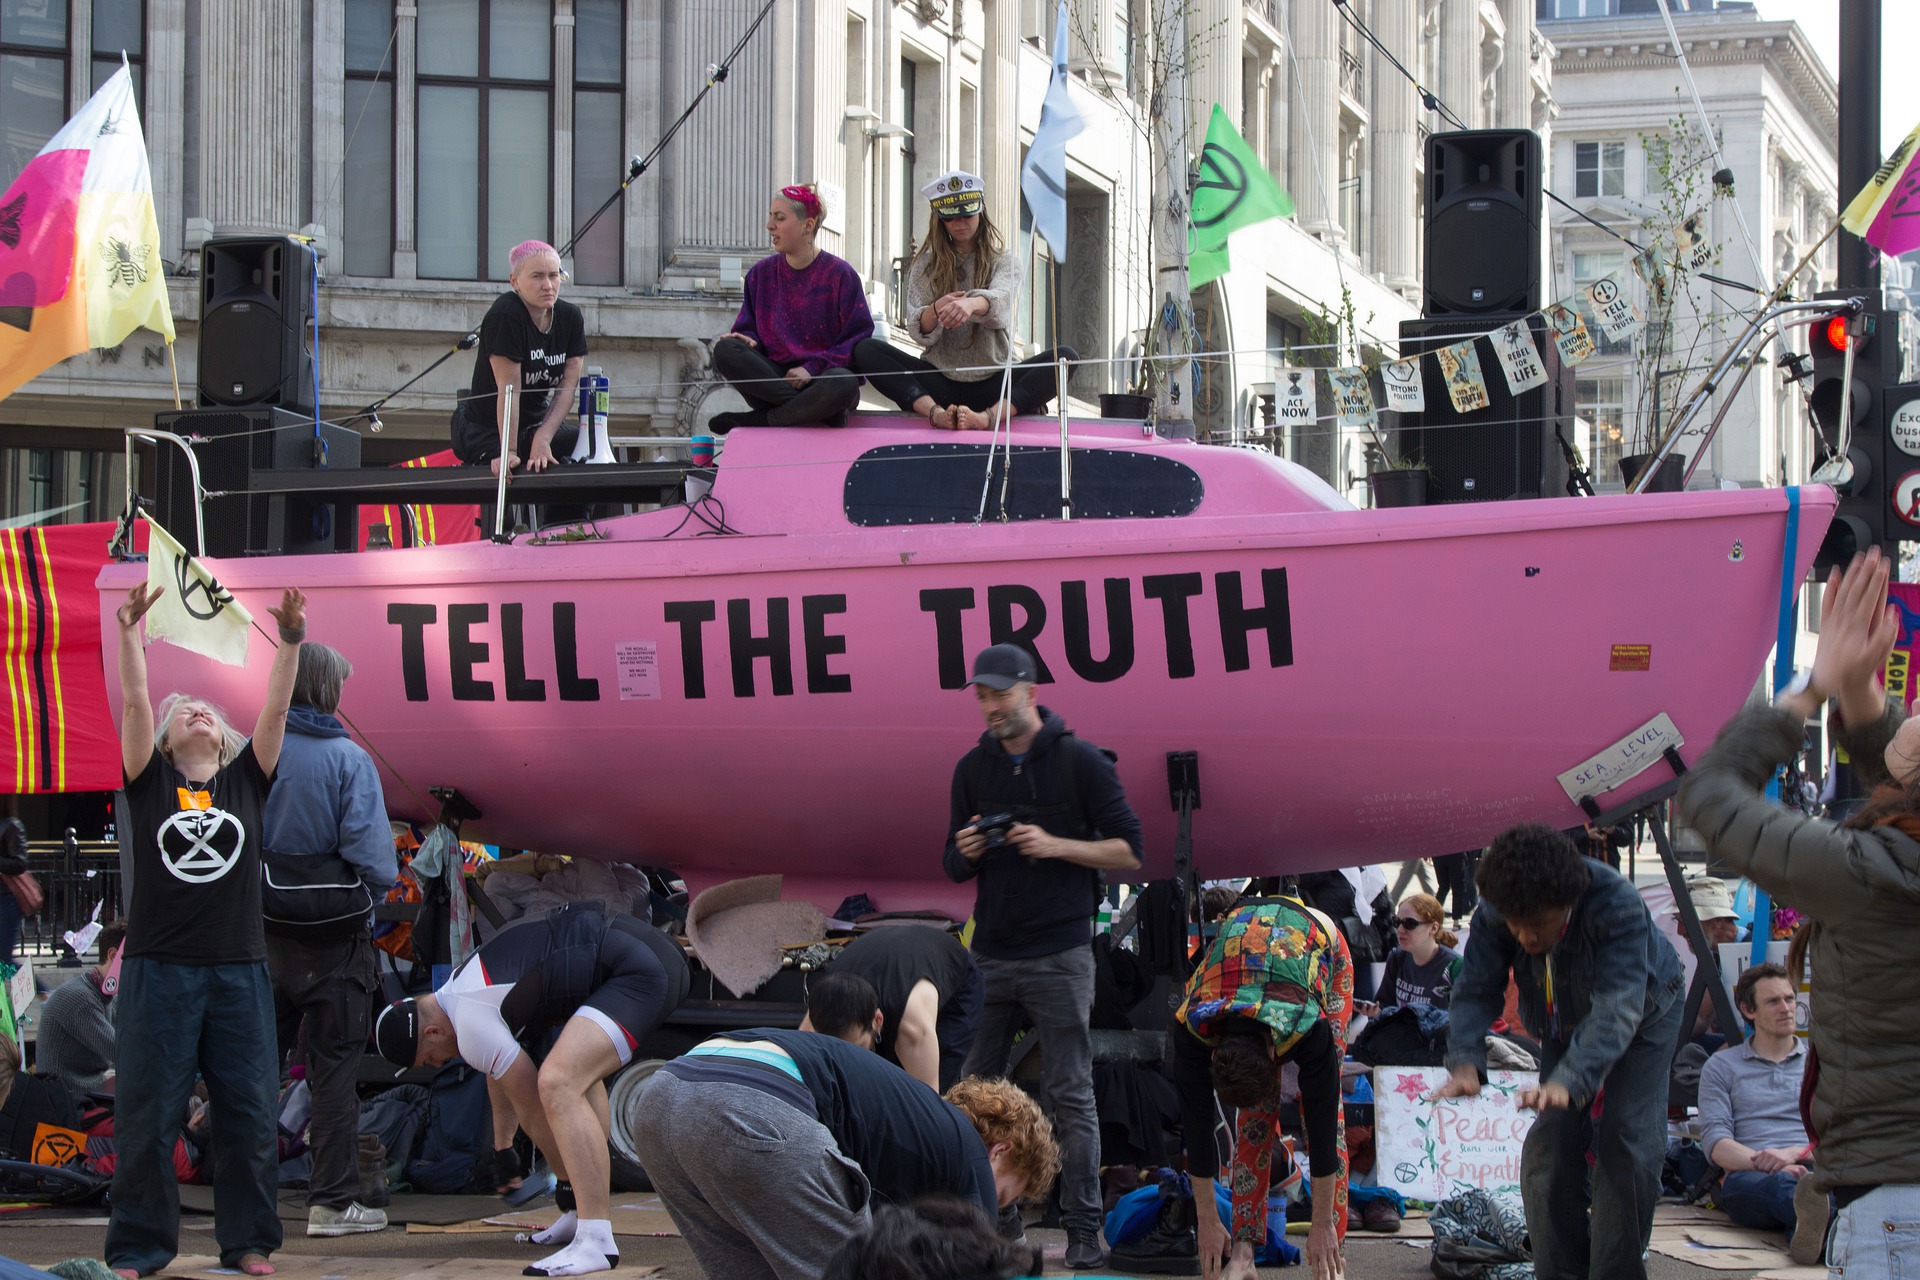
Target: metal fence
(74, 875)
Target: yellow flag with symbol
(195, 611)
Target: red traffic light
(1834, 333)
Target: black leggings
(477, 444)
(904, 378)
(824, 400)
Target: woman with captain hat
(960, 296)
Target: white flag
(1691, 244)
(1570, 333)
(1406, 390)
(1352, 397)
(1519, 357)
(195, 612)
(1043, 179)
(1460, 365)
(1294, 402)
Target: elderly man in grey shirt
(1750, 1122)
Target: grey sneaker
(353, 1220)
(1811, 1213)
(1084, 1250)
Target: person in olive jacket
(1859, 884)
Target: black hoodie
(1030, 907)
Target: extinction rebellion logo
(201, 845)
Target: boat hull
(1359, 686)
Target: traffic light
(1856, 428)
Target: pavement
(43, 1239)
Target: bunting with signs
(1570, 333)
(194, 610)
(1294, 401)
(1692, 251)
(1519, 358)
(1460, 367)
(1619, 318)
(1404, 387)
(1886, 213)
(1647, 264)
(1352, 397)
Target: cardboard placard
(1432, 1150)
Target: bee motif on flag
(10, 220)
(126, 263)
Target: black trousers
(904, 378)
(824, 401)
(477, 444)
(327, 989)
(1455, 872)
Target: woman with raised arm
(960, 297)
(793, 340)
(195, 996)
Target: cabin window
(908, 484)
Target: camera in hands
(994, 827)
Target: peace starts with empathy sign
(1432, 1150)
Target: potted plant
(1396, 480)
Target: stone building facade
(415, 141)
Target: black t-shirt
(896, 958)
(509, 331)
(909, 1140)
(196, 864)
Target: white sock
(592, 1250)
(560, 1232)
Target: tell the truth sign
(1432, 1150)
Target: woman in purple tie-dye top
(794, 337)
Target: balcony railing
(1353, 76)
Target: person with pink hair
(536, 341)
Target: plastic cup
(702, 451)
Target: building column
(1460, 62)
(1213, 65)
(563, 218)
(1279, 95)
(1515, 93)
(1000, 129)
(165, 121)
(246, 185)
(1314, 117)
(642, 211)
(406, 52)
(327, 207)
(823, 98)
(1396, 144)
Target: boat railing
(193, 477)
(1732, 358)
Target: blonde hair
(231, 739)
(1428, 909)
(1002, 1112)
(943, 260)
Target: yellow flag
(195, 612)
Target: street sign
(1906, 497)
(1903, 426)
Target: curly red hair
(1002, 1112)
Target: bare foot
(946, 419)
(255, 1264)
(975, 420)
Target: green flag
(1234, 190)
(1204, 266)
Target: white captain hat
(955, 194)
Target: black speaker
(241, 451)
(1506, 450)
(1483, 222)
(256, 323)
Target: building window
(367, 234)
(1552, 9)
(599, 55)
(1602, 403)
(1599, 168)
(120, 27)
(485, 134)
(33, 80)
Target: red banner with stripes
(418, 524)
(56, 732)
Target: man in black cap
(1038, 815)
(604, 982)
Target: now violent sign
(1432, 1150)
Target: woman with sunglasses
(1421, 968)
(792, 343)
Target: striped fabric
(56, 730)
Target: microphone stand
(716, 74)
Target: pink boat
(775, 682)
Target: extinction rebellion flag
(79, 243)
(1235, 190)
(194, 611)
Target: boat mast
(1171, 328)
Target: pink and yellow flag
(79, 242)
(1886, 213)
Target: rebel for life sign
(1432, 1150)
